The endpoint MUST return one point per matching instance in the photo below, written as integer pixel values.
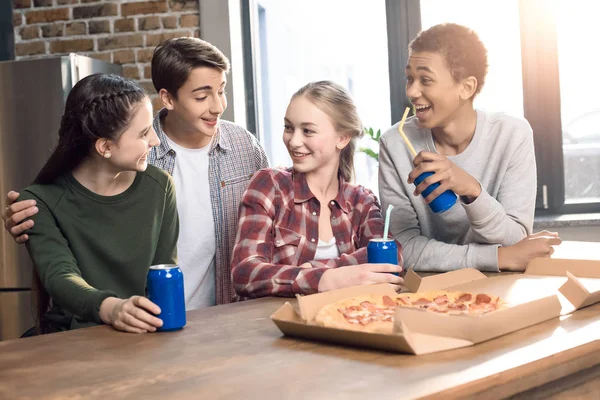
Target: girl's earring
(107, 155)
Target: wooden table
(236, 352)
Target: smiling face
(200, 101)
(311, 138)
(130, 152)
(430, 87)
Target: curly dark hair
(464, 53)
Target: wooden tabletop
(236, 352)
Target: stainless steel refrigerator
(32, 98)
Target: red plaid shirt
(278, 230)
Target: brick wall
(120, 31)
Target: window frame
(542, 105)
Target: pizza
(453, 303)
(375, 313)
(372, 313)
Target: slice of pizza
(373, 313)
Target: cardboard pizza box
(548, 288)
(572, 273)
(301, 324)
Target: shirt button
(341, 242)
(312, 240)
(314, 213)
(278, 242)
(332, 203)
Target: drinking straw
(386, 228)
(401, 130)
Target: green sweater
(88, 247)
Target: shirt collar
(220, 141)
(302, 192)
(163, 148)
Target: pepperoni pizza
(375, 313)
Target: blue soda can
(443, 202)
(165, 289)
(382, 251)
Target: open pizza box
(548, 288)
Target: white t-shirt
(197, 244)
(325, 250)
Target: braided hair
(98, 106)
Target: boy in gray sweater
(486, 158)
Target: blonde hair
(336, 102)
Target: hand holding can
(443, 202)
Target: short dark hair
(174, 59)
(464, 53)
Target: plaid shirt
(234, 157)
(279, 230)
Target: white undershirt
(196, 245)
(326, 250)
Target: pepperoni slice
(465, 297)
(387, 301)
(405, 300)
(366, 304)
(441, 299)
(482, 298)
(421, 301)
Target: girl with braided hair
(104, 214)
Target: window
(503, 89)
(580, 110)
(543, 66)
(301, 41)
